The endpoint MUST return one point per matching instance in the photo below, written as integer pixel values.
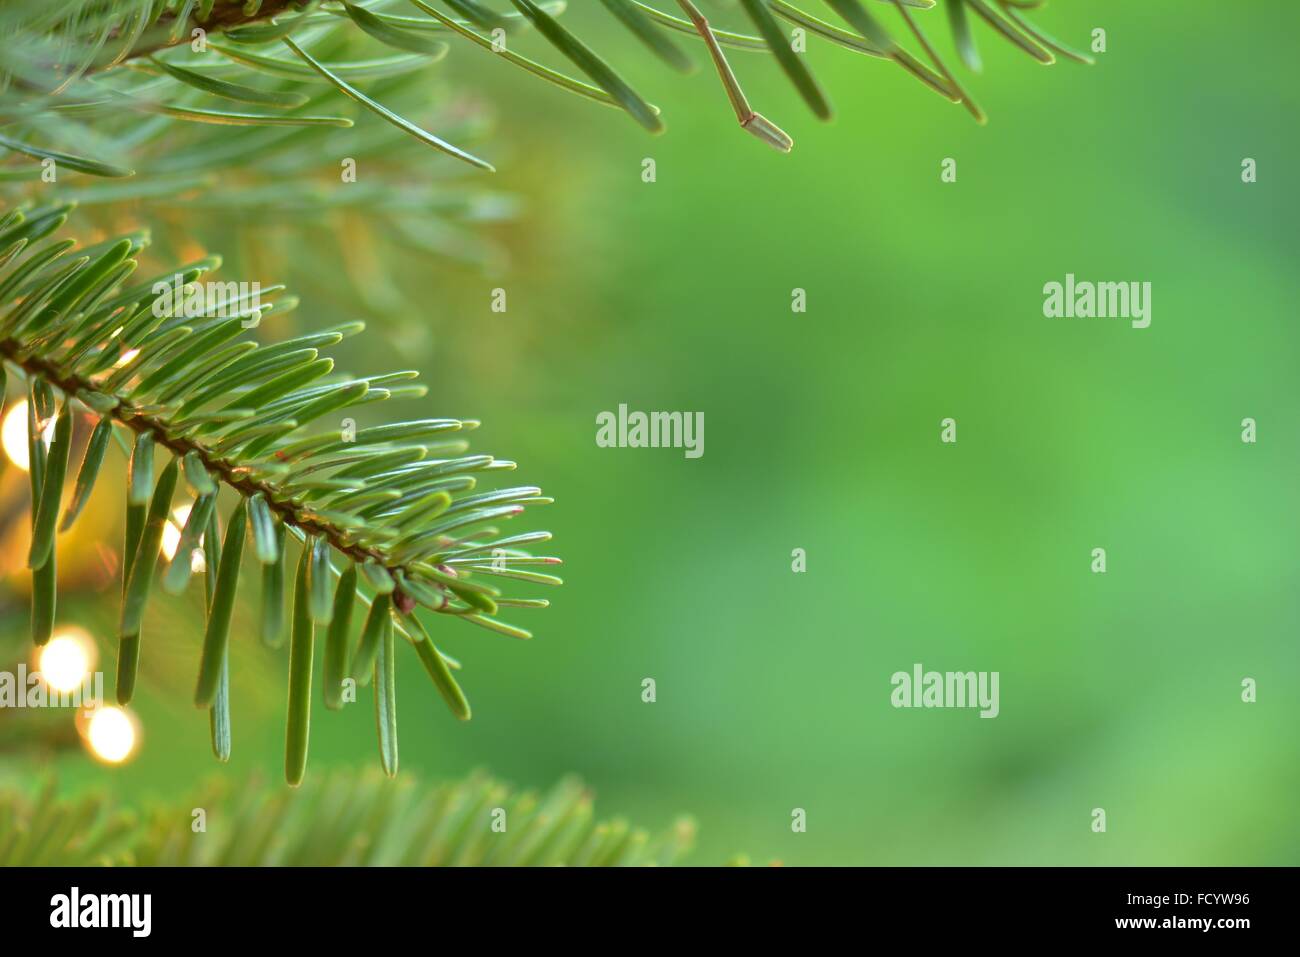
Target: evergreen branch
(166, 363)
(362, 820)
(49, 831)
(344, 819)
(56, 61)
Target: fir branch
(56, 61)
(475, 821)
(390, 502)
(49, 831)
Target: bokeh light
(13, 434)
(171, 538)
(111, 735)
(66, 660)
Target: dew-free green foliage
(389, 515)
(344, 118)
(46, 830)
(345, 818)
(278, 66)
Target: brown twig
(230, 474)
(225, 15)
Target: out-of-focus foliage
(344, 818)
(132, 122)
(46, 830)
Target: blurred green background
(1119, 691)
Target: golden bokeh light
(171, 538)
(111, 735)
(67, 659)
(13, 434)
